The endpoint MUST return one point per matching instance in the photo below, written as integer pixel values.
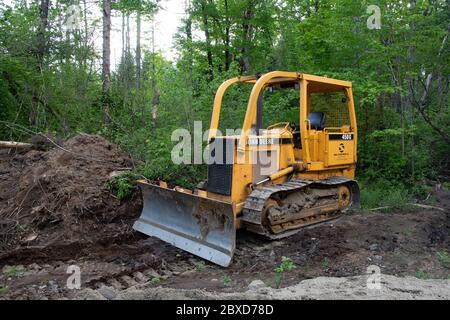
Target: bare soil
(55, 211)
(55, 202)
(329, 288)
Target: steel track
(254, 206)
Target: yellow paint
(320, 156)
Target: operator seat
(317, 120)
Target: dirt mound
(57, 198)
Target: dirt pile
(58, 198)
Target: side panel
(340, 149)
(264, 155)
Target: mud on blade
(199, 225)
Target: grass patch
(446, 186)
(444, 259)
(200, 266)
(383, 194)
(395, 196)
(11, 271)
(226, 280)
(3, 289)
(155, 281)
(325, 263)
(422, 275)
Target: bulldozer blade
(199, 225)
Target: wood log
(14, 145)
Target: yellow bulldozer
(271, 181)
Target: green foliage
(422, 275)
(3, 289)
(384, 194)
(226, 280)
(325, 263)
(11, 271)
(122, 186)
(444, 259)
(384, 158)
(129, 6)
(446, 185)
(155, 281)
(286, 265)
(200, 266)
(56, 96)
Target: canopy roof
(315, 83)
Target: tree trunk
(41, 37)
(155, 104)
(316, 5)
(189, 38)
(106, 59)
(380, 113)
(128, 34)
(123, 36)
(402, 124)
(86, 35)
(422, 104)
(246, 37)
(41, 47)
(156, 94)
(208, 41)
(227, 38)
(138, 50)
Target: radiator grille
(220, 175)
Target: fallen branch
(14, 144)
(427, 207)
(379, 208)
(411, 204)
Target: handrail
(286, 124)
(218, 102)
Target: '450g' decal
(347, 136)
(341, 136)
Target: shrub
(122, 186)
(286, 265)
(384, 194)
